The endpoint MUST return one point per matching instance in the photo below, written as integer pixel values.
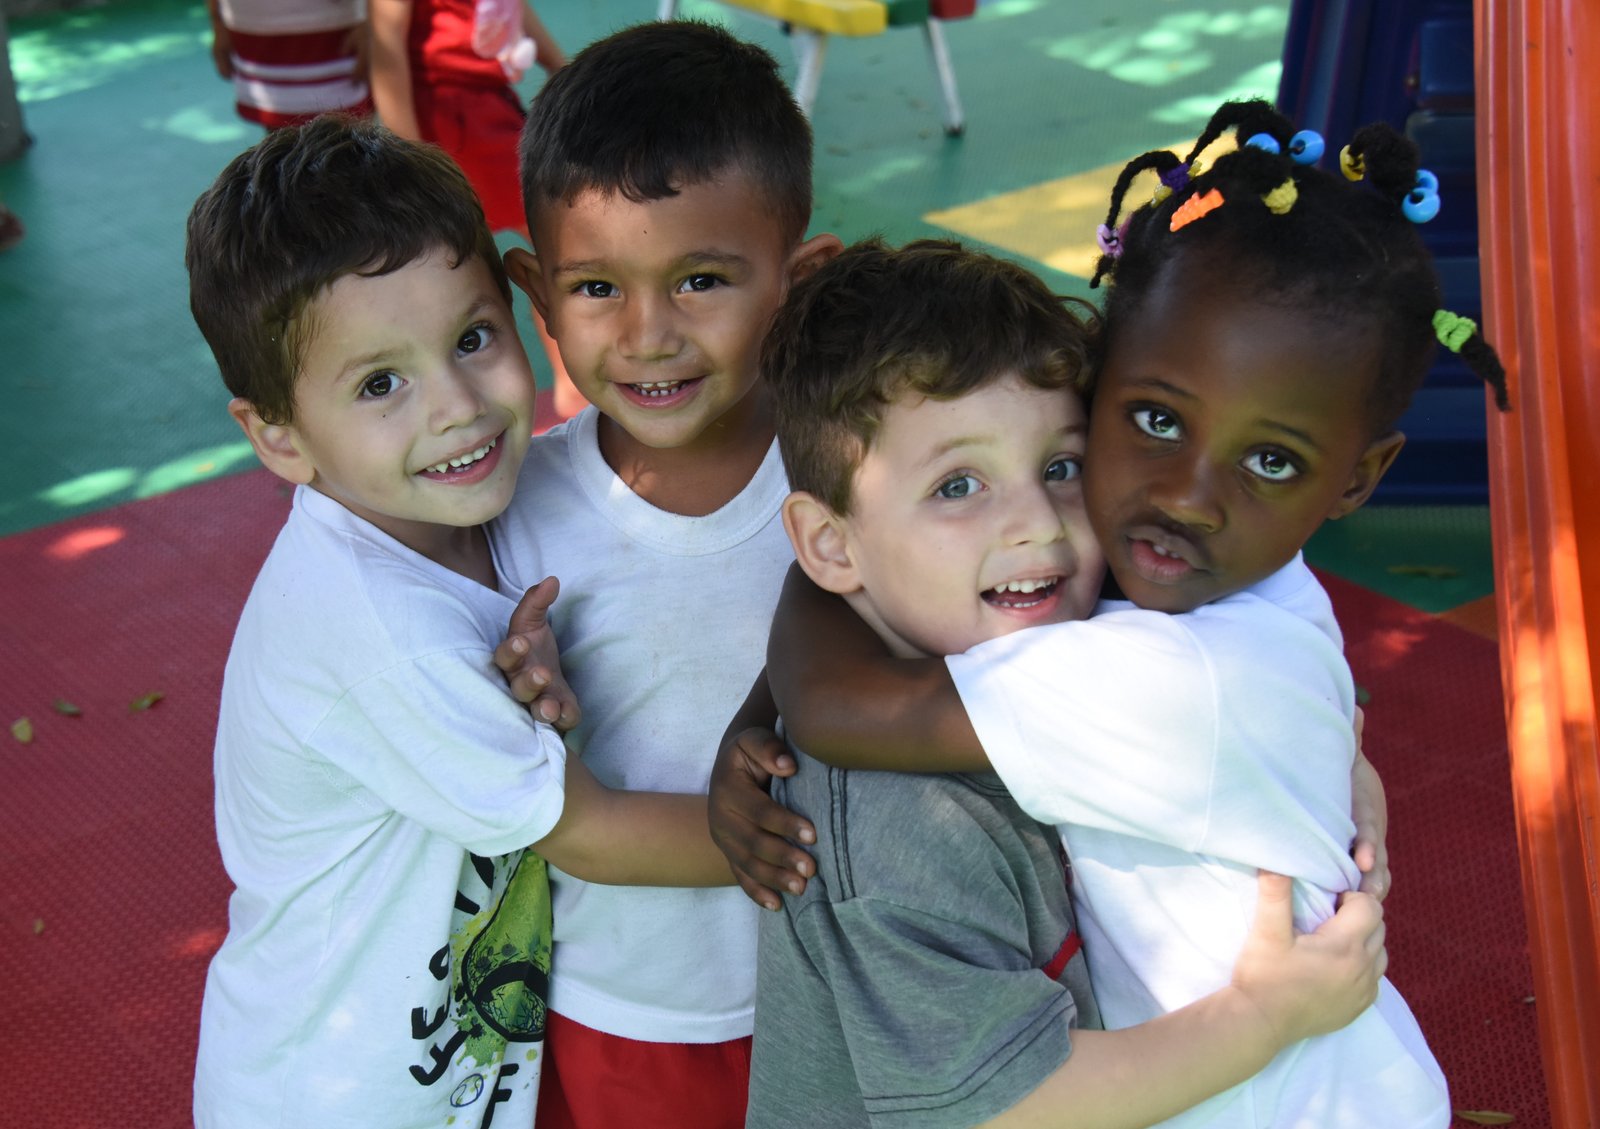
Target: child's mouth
(1157, 563)
(462, 466)
(1021, 595)
(660, 392)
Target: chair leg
(955, 122)
(810, 48)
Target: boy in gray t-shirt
(929, 974)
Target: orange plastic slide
(1539, 224)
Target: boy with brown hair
(388, 946)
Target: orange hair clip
(1195, 207)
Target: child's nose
(455, 399)
(1034, 516)
(649, 329)
(1187, 491)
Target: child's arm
(391, 67)
(1370, 810)
(632, 838)
(221, 41)
(846, 701)
(1285, 988)
(756, 833)
(547, 52)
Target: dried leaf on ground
(1485, 1116)
(38, 926)
(22, 730)
(66, 708)
(145, 701)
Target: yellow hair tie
(1453, 330)
(1160, 194)
(1353, 167)
(1281, 198)
(1195, 207)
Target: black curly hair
(1298, 236)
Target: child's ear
(811, 254)
(275, 443)
(820, 543)
(522, 267)
(1374, 463)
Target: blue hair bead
(1306, 147)
(1264, 141)
(1427, 181)
(1420, 205)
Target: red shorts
(592, 1080)
(479, 126)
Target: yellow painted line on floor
(1054, 223)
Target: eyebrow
(956, 443)
(1156, 384)
(692, 259)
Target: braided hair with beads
(1299, 236)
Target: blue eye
(1063, 470)
(961, 486)
(1157, 423)
(379, 385)
(1274, 466)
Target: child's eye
(698, 283)
(961, 486)
(1157, 422)
(1064, 469)
(475, 338)
(1274, 466)
(596, 289)
(379, 385)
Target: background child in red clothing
(445, 71)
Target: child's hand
(1310, 983)
(527, 657)
(1370, 810)
(756, 833)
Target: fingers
(532, 609)
(1274, 907)
(509, 654)
(763, 754)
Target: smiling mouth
(462, 462)
(1019, 595)
(660, 389)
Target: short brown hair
(932, 319)
(296, 212)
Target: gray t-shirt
(930, 973)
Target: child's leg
(592, 1080)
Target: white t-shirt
(663, 623)
(375, 784)
(1177, 754)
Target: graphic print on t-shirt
(487, 987)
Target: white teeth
(1023, 586)
(1160, 552)
(464, 460)
(659, 387)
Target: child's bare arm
(632, 838)
(1286, 987)
(546, 51)
(757, 834)
(846, 701)
(221, 41)
(390, 79)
